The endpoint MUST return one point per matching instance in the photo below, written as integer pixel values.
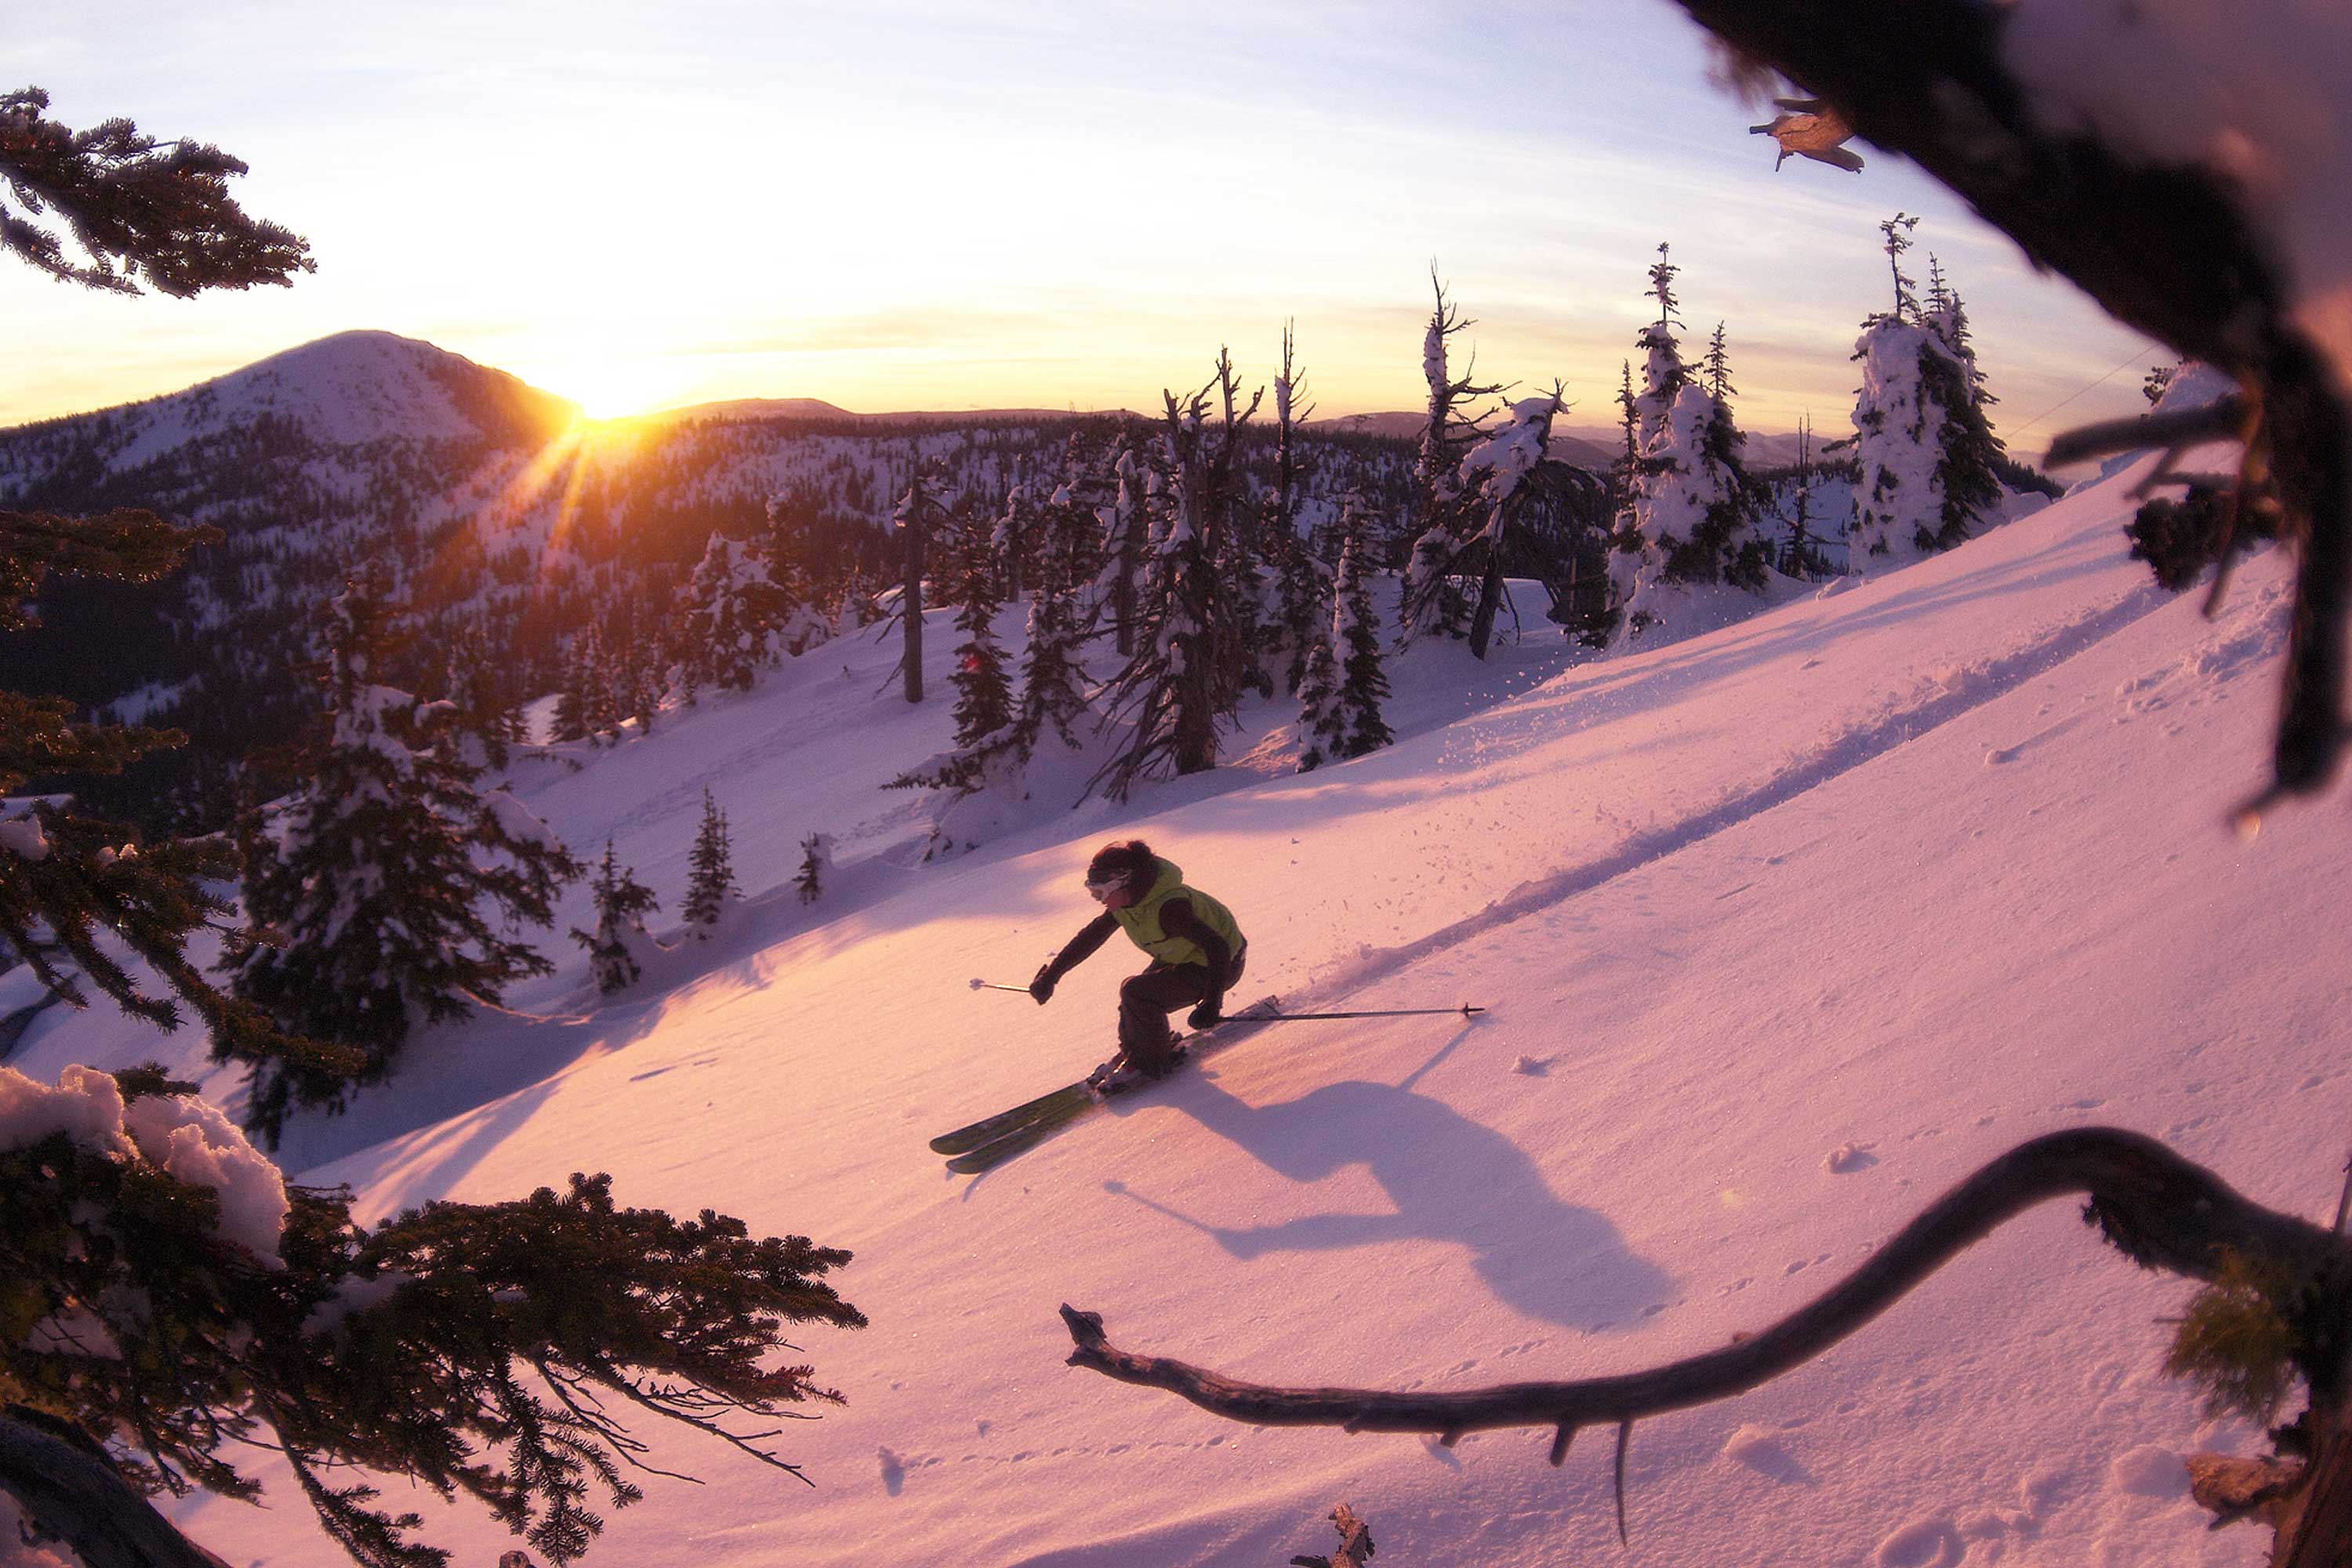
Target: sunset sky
(956, 203)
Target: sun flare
(612, 387)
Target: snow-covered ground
(1782, 930)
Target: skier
(1197, 952)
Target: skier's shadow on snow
(1450, 1179)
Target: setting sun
(614, 386)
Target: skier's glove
(1042, 987)
(1208, 1014)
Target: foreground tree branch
(2168, 249)
(70, 1488)
(2161, 1210)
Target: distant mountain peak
(353, 387)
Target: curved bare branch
(2163, 1211)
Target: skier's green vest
(1141, 919)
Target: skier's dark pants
(1145, 1001)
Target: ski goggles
(1103, 890)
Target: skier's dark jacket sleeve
(1082, 947)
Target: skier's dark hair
(1131, 862)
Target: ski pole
(1464, 1011)
(993, 985)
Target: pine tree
(710, 883)
(1926, 455)
(1183, 683)
(726, 626)
(480, 721)
(1356, 643)
(575, 701)
(984, 695)
(376, 872)
(1127, 534)
(1663, 374)
(816, 865)
(1968, 467)
(1052, 676)
(1298, 579)
(1716, 369)
(615, 947)
(788, 592)
(1321, 726)
(1630, 417)
(1013, 540)
(1689, 522)
(601, 694)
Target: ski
(993, 1140)
(988, 1129)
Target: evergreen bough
(479, 1350)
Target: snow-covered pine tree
(1127, 530)
(1919, 427)
(1321, 726)
(608, 687)
(381, 872)
(572, 698)
(617, 947)
(1054, 684)
(975, 574)
(710, 876)
(1433, 598)
(643, 686)
(1968, 468)
(779, 551)
(1298, 577)
(1013, 540)
(1689, 536)
(1356, 644)
(1183, 682)
(727, 618)
(816, 867)
(480, 724)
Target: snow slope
(1783, 929)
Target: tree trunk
(1490, 600)
(911, 604)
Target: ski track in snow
(1963, 694)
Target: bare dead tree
(2162, 1211)
(2168, 249)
